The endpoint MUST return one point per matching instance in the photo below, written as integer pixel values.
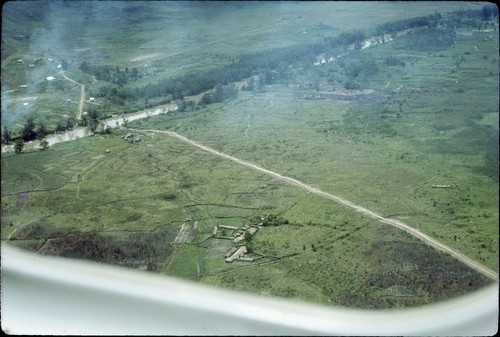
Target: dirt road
(392, 222)
(82, 95)
(80, 104)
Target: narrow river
(81, 131)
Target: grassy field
(154, 205)
(162, 39)
(127, 206)
(373, 157)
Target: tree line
(110, 74)
(268, 66)
(400, 25)
(272, 65)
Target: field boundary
(366, 212)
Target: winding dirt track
(82, 95)
(392, 222)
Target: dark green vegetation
(379, 127)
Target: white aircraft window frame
(45, 295)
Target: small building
(237, 254)
(227, 227)
(91, 99)
(51, 78)
(230, 252)
(239, 234)
(252, 230)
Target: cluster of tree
(110, 74)
(394, 61)
(219, 94)
(432, 32)
(6, 136)
(19, 145)
(274, 220)
(118, 95)
(477, 18)
(360, 68)
(347, 38)
(489, 11)
(253, 85)
(491, 156)
(421, 21)
(31, 131)
(272, 65)
(456, 279)
(37, 230)
(264, 78)
(269, 65)
(149, 249)
(65, 124)
(92, 118)
(428, 38)
(468, 17)
(351, 72)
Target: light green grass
(185, 262)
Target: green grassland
(126, 207)
(430, 122)
(385, 156)
(162, 39)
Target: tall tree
(28, 133)
(42, 130)
(70, 123)
(6, 136)
(19, 146)
(93, 119)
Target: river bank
(81, 131)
